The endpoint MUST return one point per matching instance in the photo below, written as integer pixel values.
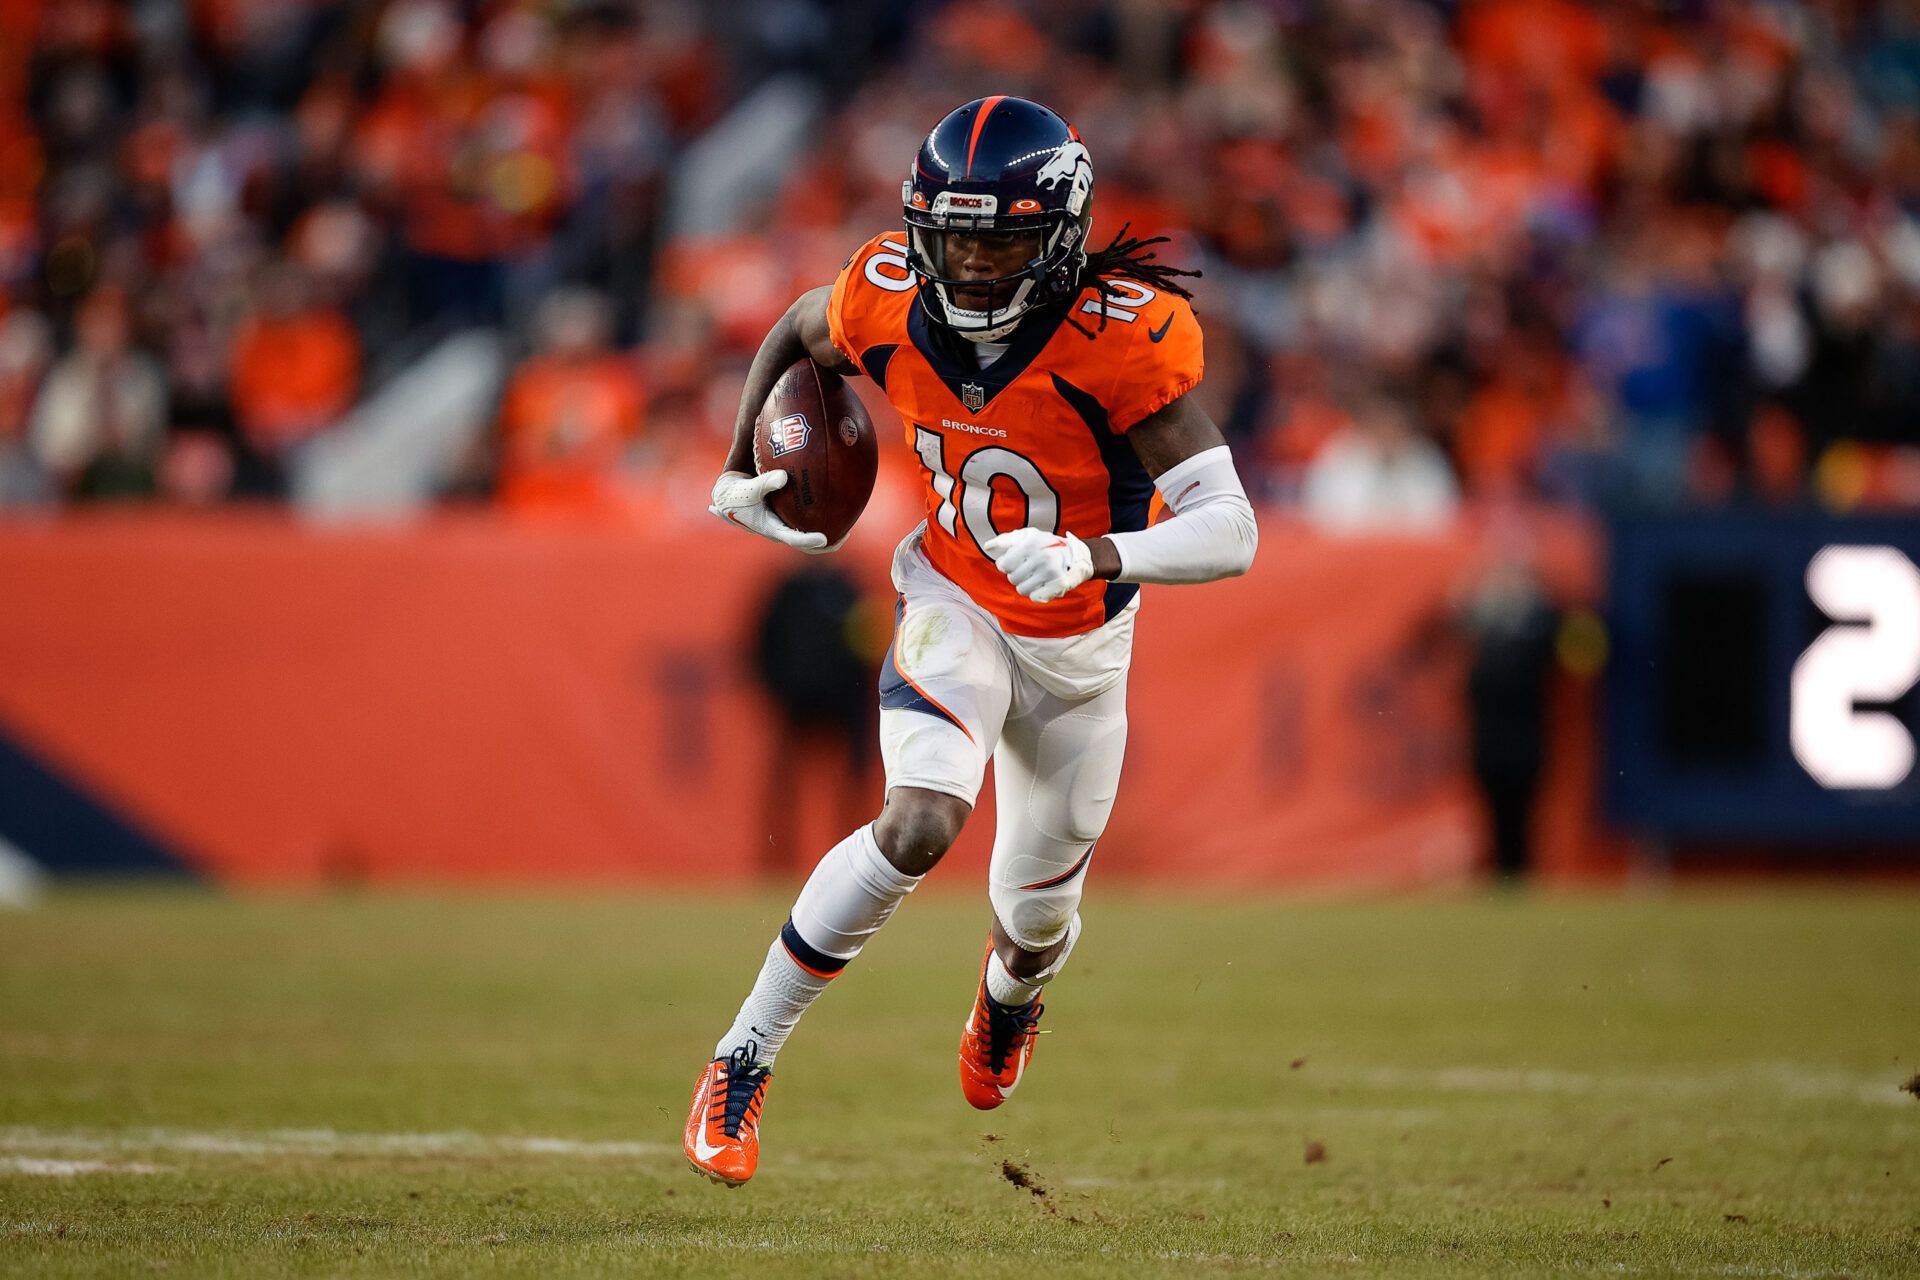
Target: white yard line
(317, 1142)
(38, 1167)
(1728, 1269)
(1782, 1079)
(53, 1152)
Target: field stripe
(1784, 1079)
(39, 1167)
(319, 1142)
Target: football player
(1044, 388)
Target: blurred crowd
(1617, 254)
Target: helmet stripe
(986, 109)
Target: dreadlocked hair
(1134, 259)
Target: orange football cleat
(996, 1044)
(723, 1128)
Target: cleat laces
(735, 1098)
(1006, 1027)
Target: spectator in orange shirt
(296, 366)
(570, 411)
(1498, 445)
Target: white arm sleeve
(1212, 533)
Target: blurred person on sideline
(99, 423)
(295, 368)
(1510, 625)
(571, 411)
(1379, 475)
(812, 655)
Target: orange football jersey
(1036, 438)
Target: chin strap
(971, 325)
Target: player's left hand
(1041, 566)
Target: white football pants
(953, 695)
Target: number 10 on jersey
(967, 500)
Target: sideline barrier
(471, 699)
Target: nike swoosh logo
(1161, 332)
(701, 1149)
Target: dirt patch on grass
(1022, 1177)
(1063, 1207)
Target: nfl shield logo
(788, 434)
(973, 395)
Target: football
(816, 430)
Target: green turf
(1696, 1084)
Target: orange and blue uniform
(1037, 438)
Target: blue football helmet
(1008, 166)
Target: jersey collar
(952, 357)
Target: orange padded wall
(471, 700)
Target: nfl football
(816, 430)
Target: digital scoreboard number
(1763, 679)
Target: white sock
(850, 894)
(780, 995)
(1003, 986)
(1007, 989)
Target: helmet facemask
(988, 309)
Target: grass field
(1693, 1084)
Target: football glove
(741, 499)
(1041, 566)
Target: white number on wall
(1870, 654)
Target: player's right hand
(741, 499)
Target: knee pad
(1038, 913)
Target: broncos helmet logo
(1070, 162)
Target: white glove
(1041, 566)
(741, 499)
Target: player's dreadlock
(1133, 259)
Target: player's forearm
(778, 351)
(1212, 535)
(804, 331)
